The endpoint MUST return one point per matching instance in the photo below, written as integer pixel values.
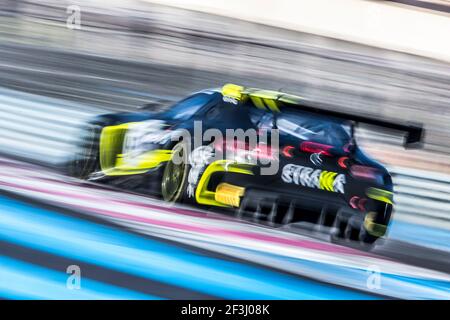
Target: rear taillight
(243, 149)
(366, 173)
(314, 147)
(343, 162)
(287, 151)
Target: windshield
(186, 108)
(310, 127)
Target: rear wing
(274, 101)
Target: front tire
(174, 178)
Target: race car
(267, 156)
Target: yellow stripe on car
(233, 91)
(111, 141)
(258, 102)
(380, 195)
(114, 163)
(272, 104)
(144, 162)
(375, 229)
(261, 98)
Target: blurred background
(62, 62)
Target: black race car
(269, 156)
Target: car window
(186, 108)
(261, 118)
(313, 128)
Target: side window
(261, 118)
(267, 121)
(298, 129)
(312, 129)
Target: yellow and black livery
(323, 179)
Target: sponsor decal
(316, 159)
(230, 100)
(313, 178)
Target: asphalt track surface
(130, 246)
(50, 221)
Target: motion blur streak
(81, 240)
(39, 128)
(53, 79)
(435, 237)
(20, 280)
(277, 249)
